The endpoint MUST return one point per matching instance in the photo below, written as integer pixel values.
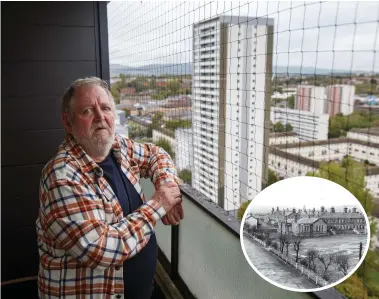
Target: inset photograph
(305, 234)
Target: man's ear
(66, 122)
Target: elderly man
(95, 228)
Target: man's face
(92, 124)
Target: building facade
(251, 221)
(368, 134)
(311, 98)
(230, 103)
(286, 164)
(330, 100)
(335, 149)
(340, 99)
(310, 227)
(283, 138)
(344, 221)
(307, 125)
(184, 149)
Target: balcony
(213, 266)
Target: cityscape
(234, 123)
(245, 97)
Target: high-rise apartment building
(331, 99)
(232, 69)
(340, 99)
(311, 98)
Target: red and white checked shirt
(83, 236)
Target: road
(274, 269)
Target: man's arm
(73, 218)
(154, 163)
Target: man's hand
(168, 195)
(174, 216)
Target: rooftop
(327, 142)
(341, 215)
(240, 20)
(370, 131)
(307, 220)
(282, 134)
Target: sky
(310, 192)
(332, 35)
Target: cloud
(339, 35)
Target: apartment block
(331, 99)
(232, 65)
(307, 125)
(340, 99)
(311, 98)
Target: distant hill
(152, 69)
(186, 69)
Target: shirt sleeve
(74, 219)
(154, 163)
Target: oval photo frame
(332, 226)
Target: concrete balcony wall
(210, 261)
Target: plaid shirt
(83, 236)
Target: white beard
(96, 144)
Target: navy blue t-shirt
(139, 270)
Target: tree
(326, 260)
(340, 124)
(287, 242)
(127, 112)
(272, 177)
(351, 177)
(180, 123)
(173, 85)
(278, 127)
(296, 245)
(342, 262)
(185, 175)
(157, 120)
(153, 81)
(291, 102)
(242, 209)
(139, 84)
(284, 241)
(115, 92)
(278, 89)
(275, 245)
(354, 288)
(163, 143)
(288, 127)
(311, 256)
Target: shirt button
(118, 268)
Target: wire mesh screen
(243, 94)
